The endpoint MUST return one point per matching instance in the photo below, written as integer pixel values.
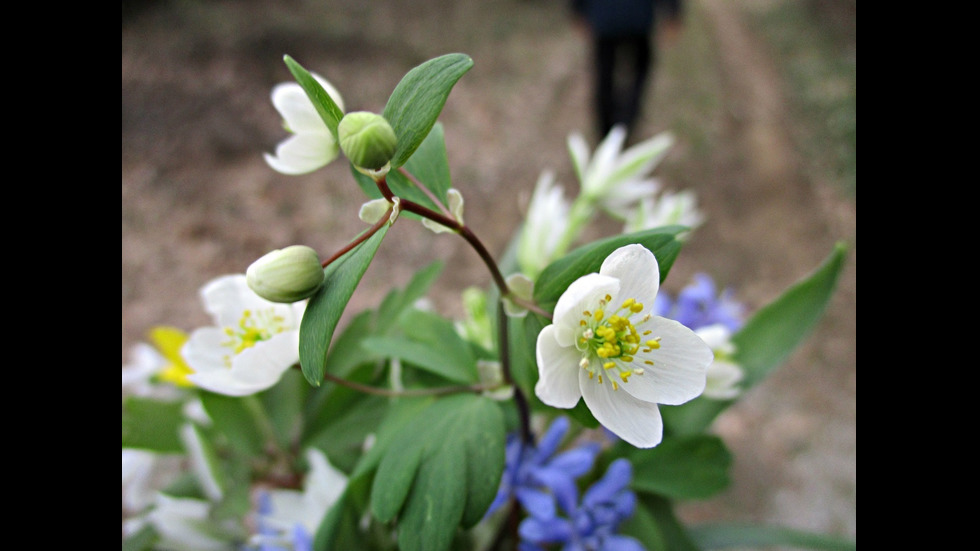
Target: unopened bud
(367, 139)
(286, 275)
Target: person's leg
(642, 59)
(605, 72)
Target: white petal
(578, 150)
(297, 110)
(226, 297)
(604, 159)
(679, 367)
(205, 351)
(639, 160)
(635, 421)
(372, 211)
(638, 273)
(723, 379)
(253, 370)
(557, 370)
(583, 294)
(303, 153)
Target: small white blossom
(185, 523)
(614, 178)
(544, 226)
(251, 344)
(724, 375)
(607, 347)
(668, 209)
(312, 145)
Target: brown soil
(198, 201)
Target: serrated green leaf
(152, 425)
(232, 418)
(767, 339)
(328, 110)
(558, 275)
(689, 467)
(459, 441)
(327, 305)
(418, 99)
(740, 535)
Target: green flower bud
(286, 275)
(367, 139)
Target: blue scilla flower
(699, 305)
(534, 475)
(592, 524)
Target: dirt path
(198, 201)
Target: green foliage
(152, 425)
(328, 110)
(686, 467)
(558, 275)
(441, 474)
(326, 306)
(417, 100)
(767, 339)
(741, 535)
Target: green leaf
(441, 471)
(326, 306)
(689, 467)
(328, 110)
(152, 424)
(397, 302)
(558, 275)
(283, 404)
(767, 339)
(430, 343)
(417, 101)
(728, 535)
(232, 418)
(670, 534)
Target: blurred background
(760, 94)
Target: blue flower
(699, 305)
(591, 524)
(534, 475)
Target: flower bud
(367, 139)
(286, 275)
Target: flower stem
(359, 239)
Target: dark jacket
(624, 17)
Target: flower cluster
(427, 420)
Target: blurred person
(624, 36)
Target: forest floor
(737, 88)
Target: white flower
(156, 363)
(615, 178)
(667, 209)
(455, 199)
(143, 474)
(281, 511)
(185, 523)
(544, 226)
(724, 375)
(606, 347)
(312, 145)
(252, 343)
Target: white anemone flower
(186, 523)
(312, 145)
(615, 178)
(252, 343)
(607, 347)
(724, 375)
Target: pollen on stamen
(648, 362)
(615, 386)
(653, 343)
(609, 365)
(639, 371)
(584, 364)
(600, 379)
